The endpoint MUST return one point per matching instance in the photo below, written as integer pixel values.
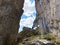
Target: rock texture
(48, 16)
(27, 34)
(10, 13)
(37, 42)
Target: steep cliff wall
(10, 14)
(48, 16)
(42, 8)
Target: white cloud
(29, 8)
(28, 22)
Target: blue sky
(29, 14)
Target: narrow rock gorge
(10, 14)
(47, 19)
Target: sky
(29, 14)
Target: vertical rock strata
(10, 13)
(48, 16)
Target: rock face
(48, 16)
(10, 13)
(37, 42)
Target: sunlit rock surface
(48, 16)
(37, 42)
(10, 13)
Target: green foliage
(32, 37)
(28, 33)
(48, 36)
(37, 32)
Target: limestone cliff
(48, 16)
(10, 14)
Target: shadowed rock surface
(10, 14)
